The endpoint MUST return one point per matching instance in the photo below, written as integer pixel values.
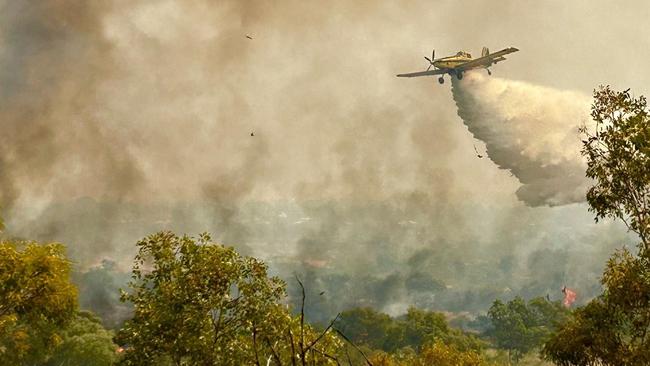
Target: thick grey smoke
(99, 291)
(52, 58)
(530, 130)
(123, 119)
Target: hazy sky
(118, 120)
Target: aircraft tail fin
(485, 52)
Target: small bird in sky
(249, 37)
(477, 154)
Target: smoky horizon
(281, 129)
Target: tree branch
(323, 333)
(273, 352)
(354, 345)
(302, 323)
(293, 348)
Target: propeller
(433, 57)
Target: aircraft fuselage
(452, 62)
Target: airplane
(459, 63)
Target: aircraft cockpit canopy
(464, 54)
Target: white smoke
(530, 130)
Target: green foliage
(376, 330)
(85, 342)
(200, 303)
(612, 329)
(37, 300)
(437, 353)
(420, 326)
(618, 155)
(520, 327)
(367, 326)
(582, 340)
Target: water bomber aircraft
(462, 61)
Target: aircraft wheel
(441, 80)
(459, 75)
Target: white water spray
(530, 130)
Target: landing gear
(489, 72)
(459, 75)
(441, 80)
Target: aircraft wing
(422, 73)
(485, 60)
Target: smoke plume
(530, 130)
(129, 117)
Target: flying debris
(249, 37)
(321, 293)
(477, 153)
(252, 133)
(569, 297)
(460, 62)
